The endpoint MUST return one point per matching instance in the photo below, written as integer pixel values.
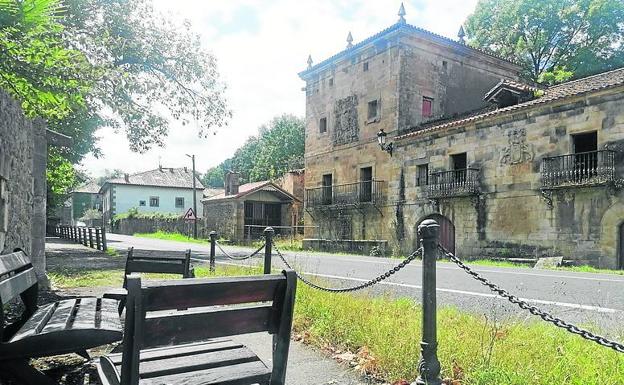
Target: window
(179, 202)
(141, 203)
(460, 164)
(427, 107)
(365, 66)
(327, 189)
(585, 142)
(323, 125)
(444, 64)
(372, 109)
(331, 82)
(154, 201)
(366, 184)
(422, 175)
(586, 157)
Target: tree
(550, 38)
(279, 147)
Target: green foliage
(91, 214)
(171, 237)
(582, 36)
(133, 213)
(61, 178)
(279, 147)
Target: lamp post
(194, 197)
(381, 139)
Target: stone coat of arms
(518, 151)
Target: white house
(163, 190)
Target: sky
(260, 46)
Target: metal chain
(239, 258)
(618, 347)
(372, 282)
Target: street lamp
(381, 139)
(194, 197)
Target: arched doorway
(446, 233)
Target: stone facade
(500, 201)
(23, 156)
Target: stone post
(104, 245)
(429, 366)
(213, 250)
(98, 238)
(90, 237)
(40, 192)
(268, 249)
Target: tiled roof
(162, 177)
(90, 188)
(249, 188)
(210, 192)
(506, 83)
(578, 87)
(397, 27)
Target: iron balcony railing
(453, 183)
(582, 169)
(366, 192)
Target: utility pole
(194, 197)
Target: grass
(112, 252)
(385, 334)
(171, 237)
(578, 269)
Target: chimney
(232, 182)
(127, 178)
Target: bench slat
(181, 350)
(36, 323)
(13, 261)
(241, 374)
(193, 362)
(17, 284)
(85, 314)
(109, 315)
(193, 292)
(184, 326)
(155, 267)
(61, 315)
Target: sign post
(191, 218)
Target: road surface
(589, 299)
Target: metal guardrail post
(213, 250)
(429, 365)
(103, 232)
(268, 249)
(90, 237)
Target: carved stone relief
(346, 129)
(518, 151)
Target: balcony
(350, 194)
(578, 170)
(453, 183)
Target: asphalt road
(591, 300)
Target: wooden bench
(145, 264)
(68, 326)
(217, 308)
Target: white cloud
(261, 45)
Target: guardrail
(453, 183)
(582, 169)
(366, 192)
(93, 237)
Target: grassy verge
(171, 237)
(384, 335)
(578, 269)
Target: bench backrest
(171, 265)
(17, 277)
(262, 303)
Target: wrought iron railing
(453, 183)
(582, 169)
(366, 192)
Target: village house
(163, 190)
(82, 198)
(506, 168)
(244, 211)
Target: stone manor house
(507, 168)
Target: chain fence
(235, 258)
(618, 347)
(364, 285)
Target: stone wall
(226, 218)
(22, 182)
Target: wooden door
(446, 232)
(621, 248)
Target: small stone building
(507, 168)
(83, 198)
(243, 211)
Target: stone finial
(310, 61)
(402, 14)
(461, 34)
(349, 40)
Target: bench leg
(26, 374)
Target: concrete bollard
(429, 365)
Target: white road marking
(454, 291)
